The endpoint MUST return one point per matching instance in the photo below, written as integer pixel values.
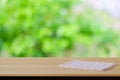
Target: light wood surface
(49, 67)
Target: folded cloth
(88, 65)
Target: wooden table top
(49, 67)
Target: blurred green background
(53, 28)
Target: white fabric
(89, 65)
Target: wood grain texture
(49, 67)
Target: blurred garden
(56, 28)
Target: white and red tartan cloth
(87, 65)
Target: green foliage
(42, 28)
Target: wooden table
(49, 67)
